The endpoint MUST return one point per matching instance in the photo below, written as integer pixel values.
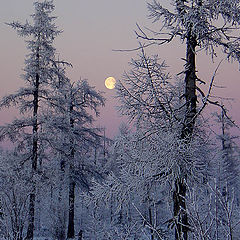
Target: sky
(92, 29)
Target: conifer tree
(40, 72)
(228, 162)
(73, 107)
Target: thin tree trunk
(71, 231)
(150, 221)
(61, 226)
(30, 229)
(80, 234)
(179, 209)
(31, 215)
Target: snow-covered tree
(147, 93)
(228, 170)
(145, 164)
(73, 136)
(41, 69)
(201, 25)
(14, 193)
(213, 214)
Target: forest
(165, 176)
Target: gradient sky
(91, 30)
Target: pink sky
(92, 29)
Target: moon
(110, 82)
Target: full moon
(110, 82)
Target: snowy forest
(166, 175)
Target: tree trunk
(180, 215)
(71, 231)
(151, 222)
(179, 210)
(190, 89)
(60, 229)
(30, 228)
(31, 216)
(179, 194)
(80, 234)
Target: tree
(14, 194)
(229, 170)
(40, 71)
(201, 25)
(146, 162)
(212, 213)
(73, 135)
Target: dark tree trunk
(179, 195)
(190, 89)
(180, 215)
(71, 231)
(31, 216)
(179, 209)
(150, 221)
(60, 230)
(80, 234)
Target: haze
(91, 30)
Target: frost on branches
(41, 70)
